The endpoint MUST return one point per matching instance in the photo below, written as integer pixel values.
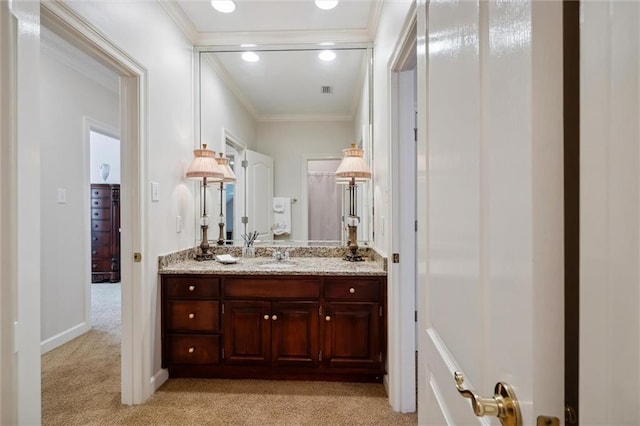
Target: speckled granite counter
(268, 266)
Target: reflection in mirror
(299, 112)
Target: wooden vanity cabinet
(352, 315)
(274, 327)
(190, 320)
(262, 327)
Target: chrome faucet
(280, 255)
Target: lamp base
(353, 257)
(203, 256)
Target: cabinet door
(247, 332)
(351, 335)
(295, 337)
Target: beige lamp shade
(204, 165)
(223, 162)
(353, 166)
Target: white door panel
(259, 190)
(490, 164)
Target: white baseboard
(158, 379)
(64, 337)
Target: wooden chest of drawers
(105, 233)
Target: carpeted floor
(81, 386)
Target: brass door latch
(504, 404)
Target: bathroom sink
(276, 265)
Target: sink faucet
(280, 255)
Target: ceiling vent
(326, 89)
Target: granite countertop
(267, 266)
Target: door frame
(136, 385)
(402, 367)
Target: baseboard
(64, 337)
(158, 379)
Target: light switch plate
(62, 196)
(155, 191)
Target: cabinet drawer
(193, 349)
(101, 225)
(101, 192)
(101, 214)
(103, 265)
(192, 287)
(190, 315)
(101, 203)
(100, 238)
(352, 290)
(100, 253)
(265, 288)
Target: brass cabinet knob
(192, 287)
(266, 317)
(192, 349)
(327, 318)
(192, 315)
(275, 317)
(352, 290)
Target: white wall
(391, 23)
(221, 109)
(289, 144)
(146, 33)
(104, 150)
(66, 97)
(609, 213)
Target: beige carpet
(81, 386)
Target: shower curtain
(325, 207)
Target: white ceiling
(287, 84)
(284, 20)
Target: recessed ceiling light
(224, 6)
(250, 57)
(327, 55)
(326, 4)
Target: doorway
(132, 87)
(324, 200)
(403, 273)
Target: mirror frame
(365, 232)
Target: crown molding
(303, 117)
(181, 19)
(228, 80)
(374, 18)
(56, 48)
(282, 37)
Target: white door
(259, 193)
(490, 190)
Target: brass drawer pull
(192, 349)
(192, 315)
(327, 318)
(266, 317)
(192, 287)
(352, 290)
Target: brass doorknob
(504, 404)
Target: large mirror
(283, 117)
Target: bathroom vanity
(312, 318)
